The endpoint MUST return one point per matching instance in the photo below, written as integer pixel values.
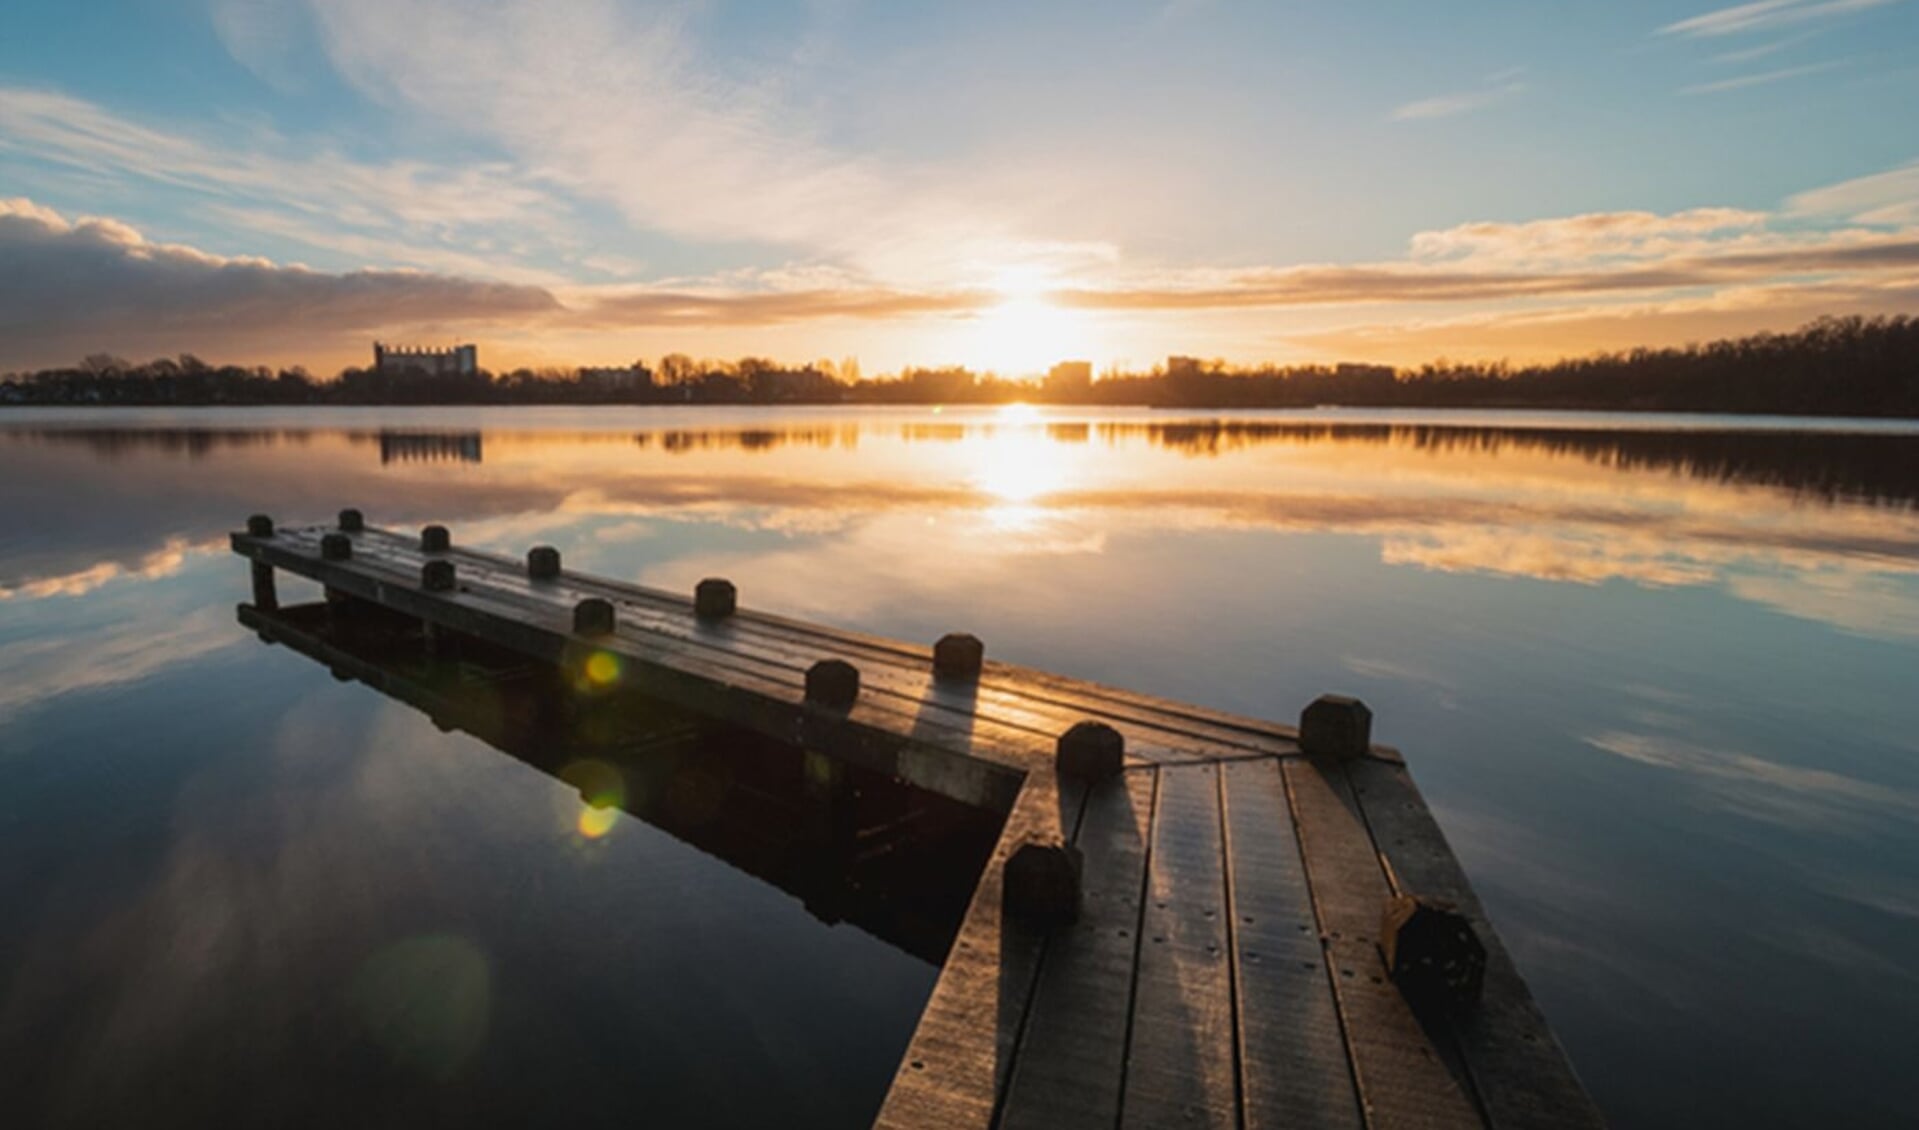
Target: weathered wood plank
(1072, 1054)
(976, 767)
(1163, 728)
(1179, 1067)
(1292, 1054)
(1403, 1080)
(675, 631)
(960, 1056)
(1521, 1074)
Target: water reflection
(1654, 676)
(1823, 525)
(853, 846)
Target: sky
(998, 185)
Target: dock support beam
(265, 597)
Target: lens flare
(602, 790)
(595, 822)
(602, 669)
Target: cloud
(1890, 198)
(1762, 79)
(82, 286)
(668, 308)
(1585, 237)
(1766, 15)
(621, 108)
(407, 211)
(1451, 105)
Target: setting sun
(1025, 333)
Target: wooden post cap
(715, 598)
(437, 576)
(259, 526)
(1041, 882)
(958, 656)
(435, 539)
(1432, 951)
(543, 563)
(352, 521)
(832, 682)
(336, 547)
(1336, 725)
(1091, 751)
(593, 617)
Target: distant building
(1070, 379)
(461, 360)
(632, 378)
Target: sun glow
(1019, 462)
(1025, 333)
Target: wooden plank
(1072, 1055)
(1293, 1062)
(678, 632)
(975, 768)
(1179, 1067)
(1163, 728)
(1522, 1075)
(959, 1059)
(1047, 704)
(1402, 1079)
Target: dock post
(336, 547)
(832, 683)
(352, 521)
(1336, 725)
(438, 576)
(593, 617)
(543, 563)
(435, 539)
(959, 657)
(715, 598)
(1432, 951)
(1091, 751)
(1041, 882)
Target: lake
(1657, 676)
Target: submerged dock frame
(1190, 918)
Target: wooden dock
(1190, 918)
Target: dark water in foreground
(1656, 677)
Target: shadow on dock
(853, 846)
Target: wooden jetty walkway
(1190, 918)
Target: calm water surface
(1658, 677)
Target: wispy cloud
(1464, 102)
(621, 107)
(408, 212)
(1762, 79)
(1890, 198)
(1766, 15)
(1762, 51)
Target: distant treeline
(1833, 367)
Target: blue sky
(991, 183)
